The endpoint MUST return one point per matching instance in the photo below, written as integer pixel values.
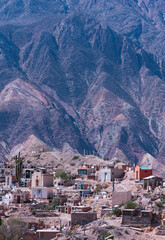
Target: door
(137, 175)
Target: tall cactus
(18, 168)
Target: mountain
(90, 74)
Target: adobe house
(136, 217)
(109, 174)
(120, 197)
(86, 172)
(142, 172)
(20, 196)
(152, 182)
(42, 179)
(127, 167)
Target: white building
(42, 179)
(7, 199)
(109, 174)
(42, 193)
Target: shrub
(75, 157)
(159, 204)
(121, 205)
(130, 205)
(53, 204)
(117, 212)
(98, 189)
(105, 158)
(117, 161)
(72, 164)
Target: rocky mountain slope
(90, 74)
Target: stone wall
(83, 218)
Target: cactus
(18, 168)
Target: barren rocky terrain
(83, 74)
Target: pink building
(142, 172)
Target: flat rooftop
(145, 168)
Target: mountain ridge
(87, 74)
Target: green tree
(60, 173)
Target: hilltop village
(95, 199)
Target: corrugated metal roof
(150, 177)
